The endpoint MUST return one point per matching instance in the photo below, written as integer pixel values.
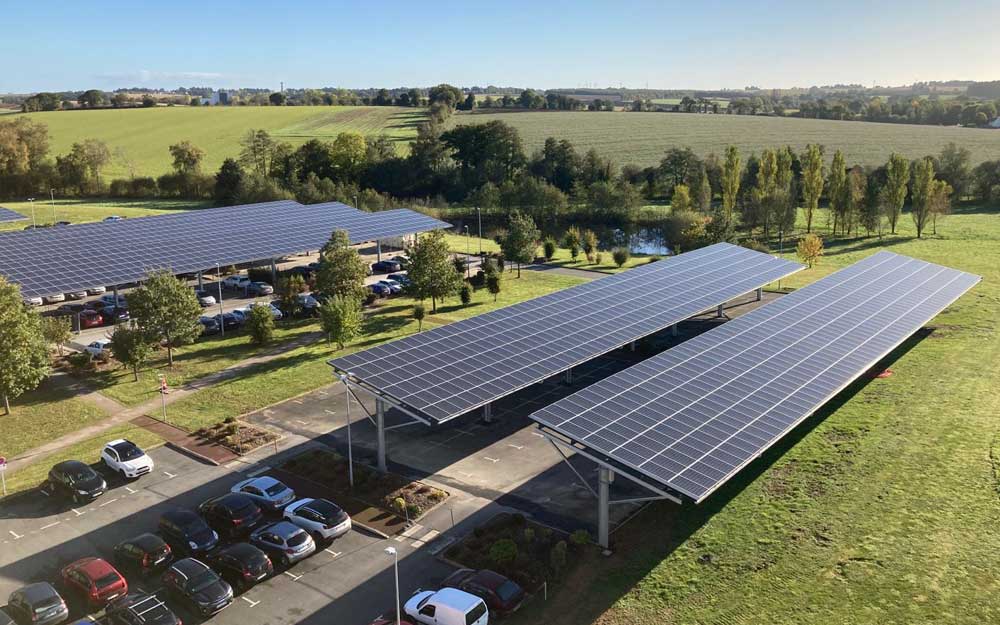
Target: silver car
(321, 518)
(266, 492)
(286, 543)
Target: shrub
(479, 532)
(518, 520)
(529, 535)
(549, 248)
(620, 255)
(503, 551)
(580, 537)
(399, 505)
(370, 299)
(119, 188)
(599, 258)
(80, 361)
(478, 279)
(229, 420)
(557, 557)
(465, 294)
(413, 510)
(500, 262)
(654, 258)
(755, 245)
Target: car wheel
(76, 498)
(318, 538)
(285, 562)
(122, 472)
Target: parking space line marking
(169, 475)
(78, 513)
(107, 503)
(426, 538)
(292, 575)
(517, 447)
(253, 604)
(538, 434)
(330, 412)
(130, 490)
(44, 492)
(332, 553)
(15, 534)
(45, 527)
(301, 422)
(259, 470)
(493, 460)
(297, 401)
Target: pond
(639, 238)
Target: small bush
(399, 505)
(580, 538)
(503, 551)
(81, 361)
(465, 294)
(557, 557)
(549, 248)
(413, 510)
(529, 535)
(229, 420)
(654, 258)
(599, 258)
(620, 255)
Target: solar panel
(447, 371)
(694, 415)
(7, 214)
(56, 260)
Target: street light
(222, 322)
(391, 551)
(350, 454)
(33, 224)
(468, 251)
(479, 218)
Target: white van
(448, 606)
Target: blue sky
(702, 44)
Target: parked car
(236, 281)
(76, 480)
(276, 313)
(401, 278)
(229, 321)
(402, 261)
(94, 581)
(380, 290)
(267, 492)
(32, 301)
(393, 286)
(72, 309)
(205, 299)
(187, 533)
(125, 457)
(231, 515)
(96, 290)
(108, 299)
(37, 604)
(306, 301)
(386, 266)
(501, 595)
(322, 518)
(113, 218)
(99, 347)
(260, 288)
(448, 606)
(209, 325)
(242, 565)
(284, 542)
(201, 588)
(91, 319)
(143, 555)
(111, 315)
(141, 609)
(76, 294)
(55, 298)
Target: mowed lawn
(82, 211)
(642, 138)
(882, 508)
(142, 136)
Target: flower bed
(237, 436)
(390, 492)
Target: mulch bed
(237, 436)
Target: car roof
(38, 591)
(189, 566)
(237, 500)
(489, 579)
(180, 515)
(262, 481)
(243, 550)
(458, 599)
(284, 529)
(93, 567)
(147, 541)
(71, 465)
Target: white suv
(236, 282)
(125, 457)
(448, 606)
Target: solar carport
(684, 422)
(47, 261)
(7, 215)
(438, 375)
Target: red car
(501, 595)
(95, 581)
(91, 319)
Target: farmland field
(81, 211)
(642, 138)
(143, 135)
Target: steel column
(488, 413)
(604, 479)
(378, 251)
(673, 330)
(274, 273)
(380, 427)
(569, 376)
(760, 294)
(718, 311)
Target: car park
(448, 606)
(231, 515)
(187, 533)
(205, 298)
(284, 542)
(236, 282)
(76, 294)
(96, 290)
(229, 321)
(209, 325)
(99, 348)
(393, 286)
(276, 313)
(143, 555)
(94, 581)
(380, 290)
(323, 519)
(140, 609)
(54, 298)
(126, 458)
(386, 266)
(260, 288)
(269, 493)
(198, 586)
(37, 604)
(91, 319)
(76, 480)
(110, 315)
(242, 565)
(502, 596)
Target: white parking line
(301, 422)
(108, 503)
(517, 447)
(253, 604)
(330, 412)
(78, 513)
(45, 527)
(44, 492)
(262, 469)
(332, 553)
(297, 401)
(169, 475)
(410, 531)
(130, 490)
(15, 534)
(493, 460)
(293, 575)
(538, 434)
(426, 538)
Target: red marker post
(3, 472)
(164, 389)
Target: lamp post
(345, 378)
(479, 218)
(33, 224)
(391, 551)
(218, 278)
(468, 251)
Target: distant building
(218, 98)
(995, 123)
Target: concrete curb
(191, 453)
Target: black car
(199, 586)
(229, 321)
(140, 609)
(145, 554)
(386, 266)
(403, 262)
(76, 480)
(187, 533)
(111, 315)
(242, 565)
(37, 604)
(231, 515)
(209, 326)
(5, 618)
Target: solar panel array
(8, 215)
(450, 370)
(694, 415)
(56, 260)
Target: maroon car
(501, 595)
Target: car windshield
(475, 613)
(128, 451)
(195, 526)
(46, 603)
(275, 489)
(325, 509)
(79, 475)
(108, 580)
(298, 539)
(507, 590)
(201, 581)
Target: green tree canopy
(24, 352)
(431, 270)
(897, 180)
(186, 157)
(260, 324)
(521, 241)
(130, 346)
(166, 310)
(813, 177)
(341, 269)
(342, 319)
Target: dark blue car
(381, 290)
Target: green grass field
(881, 509)
(81, 211)
(642, 138)
(143, 135)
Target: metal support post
(631, 346)
(200, 285)
(604, 479)
(274, 273)
(718, 312)
(760, 294)
(488, 413)
(569, 376)
(673, 330)
(378, 250)
(380, 428)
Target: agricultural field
(642, 138)
(881, 508)
(139, 138)
(81, 211)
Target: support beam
(569, 376)
(760, 294)
(380, 428)
(274, 273)
(719, 313)
(488, 413)
(604, 479)
(673, 330)
(631, 346)
(378, 251)
(200, 285)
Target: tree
(187, 158)
(939, 202)
(897, 179)
(549, 248)
(704, 191)
(148, 101)
(922, 191)
(166, 310)
(490, 152)
(24, 352)
(288, 289)
(131, 347)
(521, 241)
(419, 312)
(260, 324)
(446, 94)
(228, 183)
(258, 151)
(431, 272)
(465, 294)
(277, 98)
(723, 225)
(620, 255)
(57, 331)
(953, 163)
(341, 319)
(571, 241)
(589, 244)
(91, 98)
(680, 201)
(836, 184)
(341, 270)
(809, 249)
(813, 178)
(494, 283)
